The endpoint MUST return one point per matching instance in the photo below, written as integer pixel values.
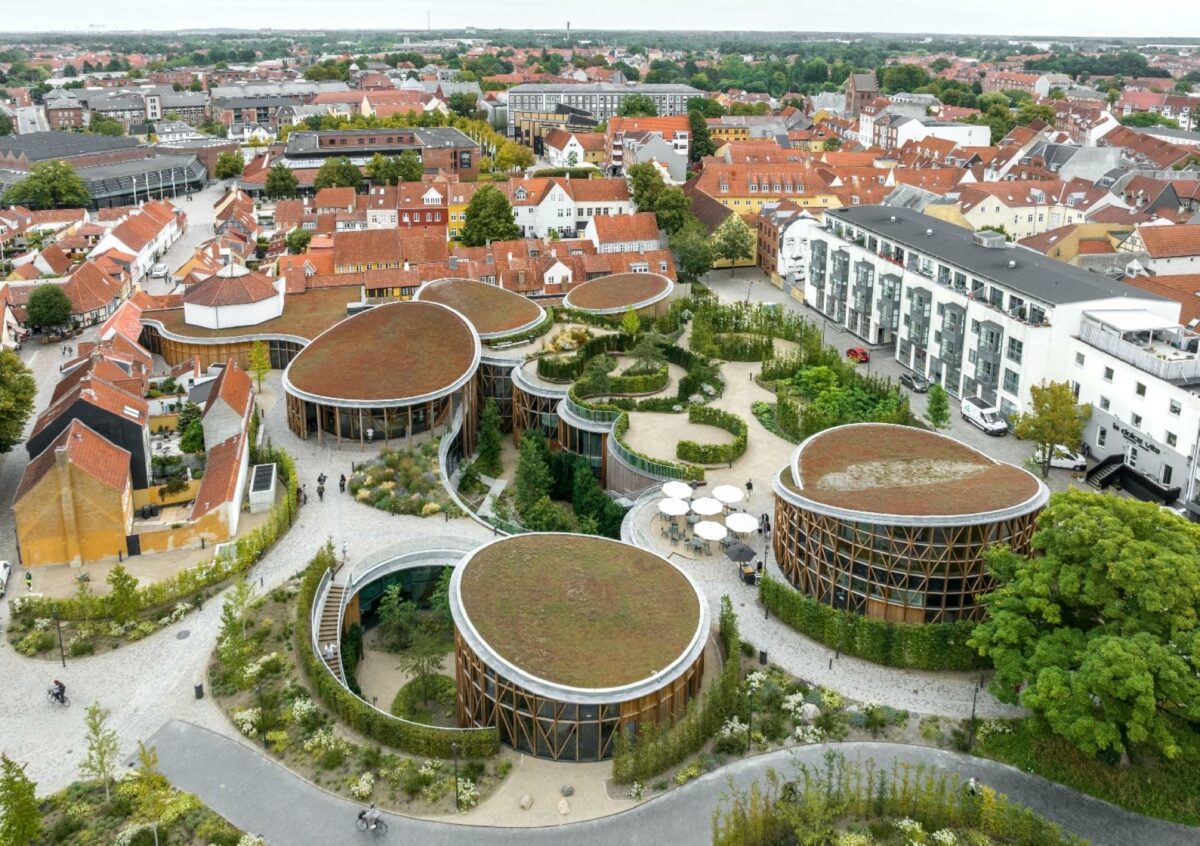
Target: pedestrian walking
(28, 580)
(370, 435)
(749, 486)
(342, 484)
(321, 492)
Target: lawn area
(1169, 790)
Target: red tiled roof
(623, 228)
(1183, 288)
(233, 285)
(87, 450)
(336, 198)
(232, 386)
(221, 469)
(102, 395)
(90, 288)
(1171, 241)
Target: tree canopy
(17, 392)
(1054, 418)
(338, 172)
(48, 306)
(298, 240)
(229, 165)
(281, 182)
(733, 241)
(489, 218)
(49, 185)
(637, 105)
(1098, 631)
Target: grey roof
(301, 143)
(603, 88)
(1167, 132)
(865, 81)
(118, 179)
(277, 89)
(39, 146)
(1031, 273)
(254, 102)
(913, 197)
(200, 391)
(449, 88)
(184, 99)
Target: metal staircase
(328, 630)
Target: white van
(1062, 458)
(986, 417)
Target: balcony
(1159, 360)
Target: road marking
(33, 357)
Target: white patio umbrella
(672, 507)
(677, 490)
(741, 522)
(728, 494)
(710, 531)
(706, 506)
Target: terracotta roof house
(624, 233)
(74, 503)
(219, 497)
(230, 403)
(1183, 288)
(233, 296)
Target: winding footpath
(258, 795)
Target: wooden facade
(559, 729)
(495, 381)
(918, 573)
(215, 350)
(533, 411)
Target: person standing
(28, 580)
(749, 486)
(342, 484)
(321, 493)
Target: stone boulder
(526, 802)
(564, 807)
(809, 712)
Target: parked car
(915, 382)
(159, 271)
(858, 355)
(1063, 458)
(5, 572)
(987, 417)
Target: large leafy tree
(298, 240)
(338, 172)
(702, 143)
(513, 155)
(693, 252)
(489, 218)
(52, 184)
(1098, 631)
(281, 182)
(102, 125)
(637, 105)
(409, 167)
(7, 126)
(20, 818)
(532, 480)
(1054, 418)
(645, 185)
(733, 241)
(672, 210)
(48, 306)
(229, 165)
(17, 392)
(491, 440)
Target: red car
(858, 355)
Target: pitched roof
(89, 451)
(335, 198)
(1171, 241)
(102, 395)
(232, 386)
(622, 228)
(89, 288)
(231, 285)
(380, 246)
(221, 469)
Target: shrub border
(698, 453)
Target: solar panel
(264, 477)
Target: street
(199, 210)
(30, 119)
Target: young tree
(546, 515)
(233, 650)
(101, 760)
(513, 155)
(17, 392)
(463, 103)
(152, 792)
(648, 354)
(7, 126)
(424, 660)
(298, 240)
(491, 440)
(20, 817)
(1054, 419)
(693, 252)
(260, 361)
(489, 218)
(192, 439)
(229, 165)
(533, 476)
(1096, 632)
(637, 105)
(937, 407)
(572, 159)
(187, 414)
(702, 143)
(123, 599)
(440, 617)
(281, 182)
(630, 322)
(398, 618)
(672, 210)
(338, 172)
(52, 184)
(733, 241)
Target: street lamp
(61, 653)
(454, 750)
(261, 715)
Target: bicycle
(380, 826)
(65, 701)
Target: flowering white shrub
(754, 681)
(323, 741)
(809, 734)
(364, 786)
(636, 790)
(793, 703)
(468, 794)
(854, 838)
(42, 623)
(909, 826)
(708, 389)
(733, 728)
(304, 709)
(180, 611)
(251, 840)
(255, 669)
(247, 720)
(945, 837)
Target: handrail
(592, 415)
(448, 441)
(649, 466)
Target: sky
(1136, 18)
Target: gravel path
(258, 795)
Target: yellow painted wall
(212, 527)
(948, 212)
(150, 496)
(170, 422)
(755, 202)
(100, 515)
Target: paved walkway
(258, 795)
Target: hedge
(567, 369)
(687, 471)
(247, 550)
(925, 646)
(414, 738)
(714, 453)
(657, 747)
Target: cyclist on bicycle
(58, 690)
(371, 815)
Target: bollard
(199, 688)
(762, 657)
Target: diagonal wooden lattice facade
(495, 381)
(558, 729)
(922, 572)
(534, 411)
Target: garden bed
(403, 481)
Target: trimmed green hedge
(686, 471)
(567, 369)
(414, 738)
(247, 550)
(658, 747)
(925, 646)
(714, 453)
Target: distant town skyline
(1099, 18)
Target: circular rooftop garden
(577, 610)
(494, 311)
(616, 293)
(391, 353)
(887, 469)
